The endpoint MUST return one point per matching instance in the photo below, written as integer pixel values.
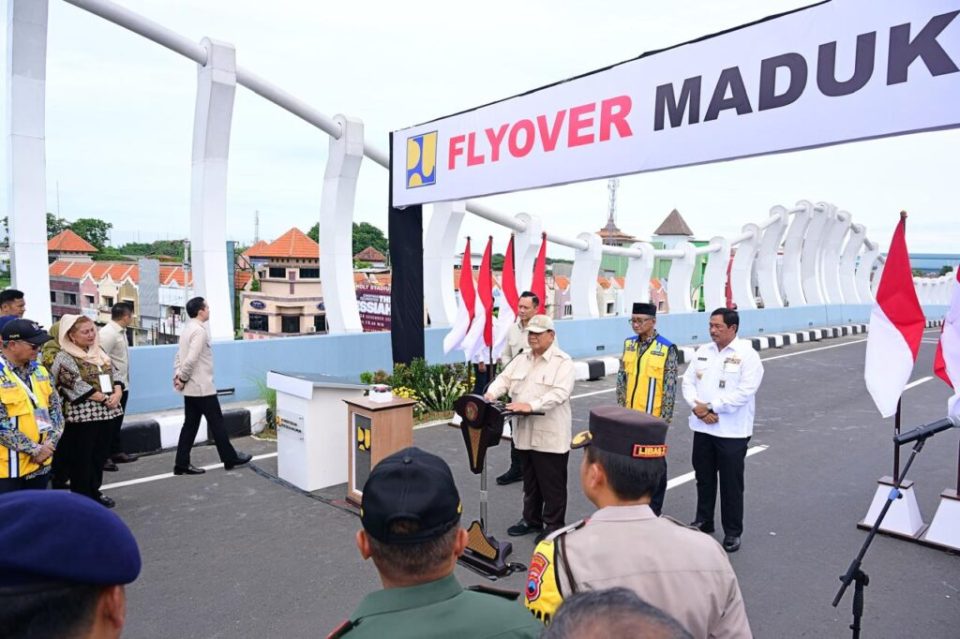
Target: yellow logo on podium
(363, 438)
(422, 160)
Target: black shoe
(731, 543)
(106, 501)
(189, 470)
(522, 528)
(109, 466)
(513, 475)
(124, 458)
(242, 458)
(703, 526)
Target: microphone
(922, 432)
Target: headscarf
(93, 355)
(52, 347)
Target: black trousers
(656, 502)
(193, 409)
(544, 488)
(723, 457)
(19, 483)
(87, 446)
(115, 444)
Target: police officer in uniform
(410, 512)
(31, 421)
(647, 380)
(670, 566)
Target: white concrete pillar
(715, 275)
(680, 278)
(877, 274)
(864, 269)
(792, 252)
(336, 227)
(741, 271)
(24, 162)
(583, 281)
(439, 260)
(526, 245)
(766, 265)
(213, 116)
(830, 255)
(637, 280)
(848, 264)
(810, 255)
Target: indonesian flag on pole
(946, 362)
(479, 339)
(508, 304)
(539, 285)
(465, 310)
(896, 327)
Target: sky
(120, 117)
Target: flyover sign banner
(834, 72)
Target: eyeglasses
(35, 347)
(641, 320)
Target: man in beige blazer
(193, 376)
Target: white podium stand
(311, 439)
(903, 519)
(944, 530)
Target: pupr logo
(422, 160)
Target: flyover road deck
(237, 554)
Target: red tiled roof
(256, 250)
(621, 282)
(561, 282)
(381, 279)
(603, 282)
(241, 279)
(370, 254)
(360, 278)
(70, 242)
(292, 244)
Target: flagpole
(896, 449)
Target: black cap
(623, 431)
(25, 330)
(643, 308)
(410, 485)
(56, 537)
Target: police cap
(623, 431)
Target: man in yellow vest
(31, 421)
(647, 380)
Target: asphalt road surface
(239, 554)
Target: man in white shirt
(113, 340)
(527, 307)
(720, 385)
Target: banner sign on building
(374, 305)
(834, 72)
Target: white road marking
(151, 478)
(917, 382)
(599, 392)
(812, 350)
(688, 477)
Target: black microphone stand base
(484, 554)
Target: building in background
(69, 246)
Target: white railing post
(439, 260)
(637, 280)
(337, 200)
(766, 264)
(792, 252)
(715, 276)
(681, 277)
(526, 245)
(741, 271)
(24, 169)
(830, 257)
(848, 264)
(810, 255)
(864, 269)
(216, 88)
(583, 281)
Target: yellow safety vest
(20, 413)
(645, 374)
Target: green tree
(92, 230)
(314, 232)
(366, 234)
(946, 269)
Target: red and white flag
(946, 362)
(479, 339)
(508, 303)
(539, 285)
(465, 310)
(896, 327)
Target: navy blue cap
(415, 487)
(52, 536)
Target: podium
(310, 435)
(374, 430)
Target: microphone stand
(854, 573)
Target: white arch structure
(808, 254)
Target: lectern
(374, 430)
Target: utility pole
(256, 226)
(612, 185)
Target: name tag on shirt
(731, 365)
(106, 386)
